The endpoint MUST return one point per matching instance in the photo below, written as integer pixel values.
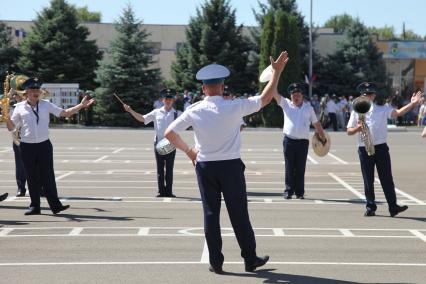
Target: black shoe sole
(253, 267)
(33, 213)
(216, 270)
(63, 208)
(4, 196)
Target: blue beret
(212, 74)
(296, 87)
(31, 83)
(168, 93)
(366, 87)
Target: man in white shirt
(216, 123)
(376, 120)
(332, 110)
(162, 117)
(32, 116)
(298, 117)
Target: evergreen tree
(8, 54)
(213, 37)
(356, 60)
(285, 37)
(339, 23)
(126, 71)
(57, 48)
(84, 15)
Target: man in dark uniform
(376, 120)
(216, 123)
(33, 117)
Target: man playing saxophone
(376, 119)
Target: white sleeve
(283, 102)
(16, 118)
(389, 111)
(353, 120)
(250, 105)
(54, 109)
(182, 122)
(312, 116)
(149, 117)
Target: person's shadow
(270, 276)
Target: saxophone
(5, 100)
(361, 105)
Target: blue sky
(372, 12)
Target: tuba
(361, 106)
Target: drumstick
(118, 98)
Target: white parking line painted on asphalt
(346, 232)
(205, 255)
(278, 232)
(405, 194)
(6, 150)
(304, 263)
(100, 159)
(347, 186)
(312, 160)
(64, 176)
(337, 159)
(143, 231)
(5, 231)
(118, 150)
(75, 231)
(419, 235)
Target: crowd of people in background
(333, 111)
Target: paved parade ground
(116, 231)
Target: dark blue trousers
(227, 178)
(21, 176)
(38, 163)
(295, 155)
(165, 181)
(382, 161)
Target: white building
(62, 95)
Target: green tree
(213, 37)
(126, 71)
(285, 33)
(57, 48)
(384, 33)
(8, 54)
(356, 60)
(84, 15)
(339, 23)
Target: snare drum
(164, 147)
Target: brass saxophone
(5, 100)
(361, 106)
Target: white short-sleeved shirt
(216, 123)
(377, 120)
(331, 106)
(297, 120)
(162, 119)
(24, 117)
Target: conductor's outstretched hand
(279, 64)
(87, 101)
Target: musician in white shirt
(32, 116)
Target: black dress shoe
(20, 194)
(217, 270)
(369, 212)
(398, 209)
(170, 195)
(300, 196)
(3, 196)
(287, 195)
(33, 211)
(60, 208)
(259, 261)
(160, 195)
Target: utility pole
(310, 55)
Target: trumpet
(5, 100)
(362, 105)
